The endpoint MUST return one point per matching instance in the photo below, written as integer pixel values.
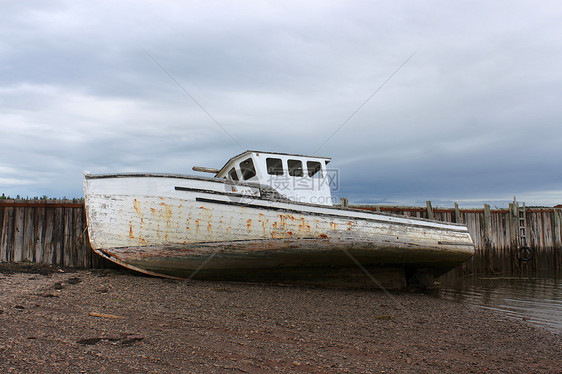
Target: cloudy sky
(474, 116)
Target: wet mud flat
(57, 320)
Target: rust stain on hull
(136, 205)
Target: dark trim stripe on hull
(213, 192)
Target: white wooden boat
(262, 214)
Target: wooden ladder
(522, 223)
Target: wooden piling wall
(46, 232)
(54, 232)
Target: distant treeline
(44, 197)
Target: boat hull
(188, 227)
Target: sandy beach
(59, 321)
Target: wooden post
(39, 225)
(557, 228)
(1, 221)
(557, 239)
(487, 234)
(58, 236)
(458, 216)
(513, 225)
(514, 236)
(487, 224)
(429, 210)
(1, 227)
(6, 243)
(344, 202)
(48, 245)
(78, 240)
(68, 257)
(28, 235)
(18, 234)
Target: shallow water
(536, 300)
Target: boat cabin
(297, 177)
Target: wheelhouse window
(314, 168)
(274, 166)
(247, 169)
(295, 168)
(232, 174)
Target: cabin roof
(284, 154)
(269, 153)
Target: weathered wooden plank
(28, 235)
(68, 256)
(549, 239)
(557, 228)
(75, 233)
(496, 237)
(487, 238)
(19, 215)
(77, 246)
(472, 223)
(544, 250)
(487, 226)
(458, 216)
(6, 243)
(514, 236)
(558, 240)
(543, 232)
(502, 222)
(48, 236)
(39, 228)
(1, 222)
(534, 235)
(444, 216)
(58, 236)
(429, 210)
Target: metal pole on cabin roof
(204, 169)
